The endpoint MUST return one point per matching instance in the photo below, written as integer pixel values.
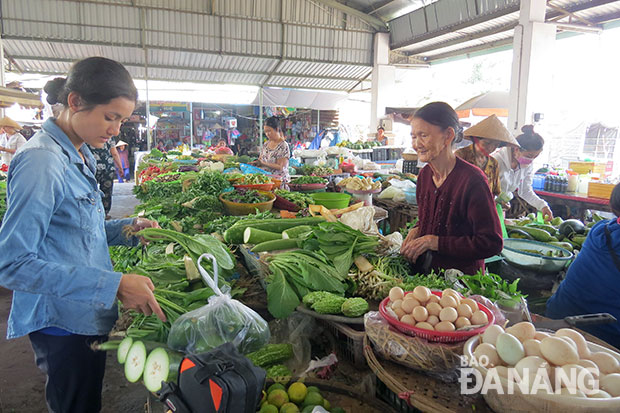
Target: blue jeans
(74, 371)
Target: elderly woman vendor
(458, 224)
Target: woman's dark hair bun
(527, 129)
(273, 122)
(54, 89)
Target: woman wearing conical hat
(487, 136)
(13, 140)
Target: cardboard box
(581, 168)
(599, 190)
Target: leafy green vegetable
(492, 286)
(300, 199)
(245, 196)
(194, 246)
(308, 180)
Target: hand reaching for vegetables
(136, 293)
(142, 223)
(413, 248)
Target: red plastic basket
(442, 337)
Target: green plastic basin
(331, 200)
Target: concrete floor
(22, 385)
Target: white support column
(530, 83)
(383, 79)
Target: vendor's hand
(547, 214)
(412, 250)
(142, 223)
(136, 293)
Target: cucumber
(276, 245)
(123, 349)
(134, 364)
(565, 245)
(234, 234)
(518, 233)
(296, 232)
(256, 236)
(549, 228)
(161, 365)
(537, 233)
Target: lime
(268, 408)
(308, 409)
(275, 386)
(313, 388)
(297, 392)
(289, 408)
(313, 398)
(277, 397)
(327, 405)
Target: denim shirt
(54, 240)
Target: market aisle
(123, 200)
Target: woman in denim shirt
(54, 239)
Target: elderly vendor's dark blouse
(462, 213)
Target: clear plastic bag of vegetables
(222, 320)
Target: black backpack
(219, 381)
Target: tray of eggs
(550, 371)
(441, 316)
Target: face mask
(523, 161)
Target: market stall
(578, 202)
(315, 296)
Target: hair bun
(528, 129)
(53, 89)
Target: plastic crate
(395, 153)
(349, 342)
(411, 167)
(399, 405)
(379, 154)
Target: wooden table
(581, 202)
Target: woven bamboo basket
(439, 360)
(421, 391)
(521, 403)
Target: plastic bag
(296, 329)
(389, 192)
(222, 320)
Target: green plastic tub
(332, 200)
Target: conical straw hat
(6, 121)
(491, 128)
(120, 143)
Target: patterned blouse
(105, 161)
(272, 155)
(490, 168)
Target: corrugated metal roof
(236, 41)
(323, 69)
(283, 81)
(443, 28)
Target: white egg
(432, 320)
(462, 322)
(433, 308)
(471, 303)
(448, 314)
(540, 335)
(606, 363)
(422, 294)
(611, 384)
(523, 331)
(397, 304)
(479, 318)
(491, 333)
(591, 366)
(433, 299)
(408, 305)
(420, 314)
(408, 319)
(447, 301)
(425, 325)
(486, 355)
(464, 310)
(577, 337)
(559, 352)
(396, 293)
(599, 394)
(571, 375)
(531, 365)
(532, 348)
(444, 326)
(509, 348)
